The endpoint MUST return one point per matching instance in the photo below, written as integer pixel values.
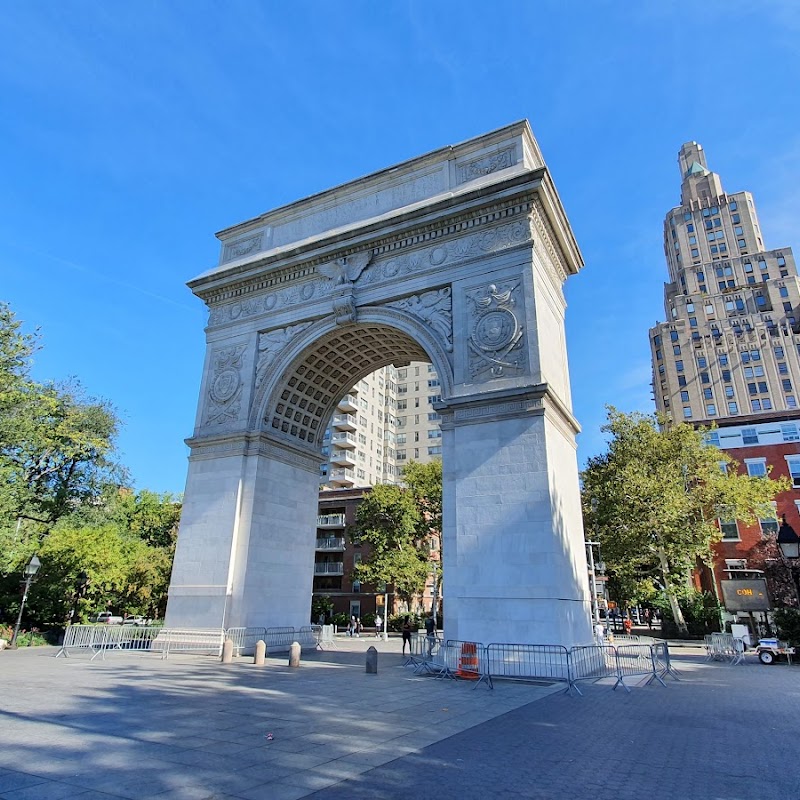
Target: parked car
(107, 618)
(135, 619)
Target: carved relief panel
(225, 386)
(496, 336)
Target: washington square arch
(458, 258)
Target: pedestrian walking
(430, 633)
(351, 626)
(628, 625)
(406, 631)
(378, 623)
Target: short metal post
(261, 653)
(294, 654)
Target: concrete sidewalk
(189, 727)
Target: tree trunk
(677, 614)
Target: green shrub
(788, 623)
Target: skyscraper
(730, 348)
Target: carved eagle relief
(347, 269)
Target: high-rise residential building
(386, 420)
(730, 348)
(728, 356)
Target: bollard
(372, 661)
(294, 654)
(261, 653)
(227, 651)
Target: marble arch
(457, 257)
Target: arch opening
(310, 388)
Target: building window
(729, 528)
(749, 436)
(711, 410)
(783, 369)
(685, 397)
(756, 467)
(435, 451)
(791, 402)
(711, 438)
(679, 366)
(726, 375)
(733, 408)
(704, 378)
(729, 391)
(789, 432)
(701, 362)
(681, 380)
(676, 349)
(755, 405)
(769, 522)
(793, 462)
(673, 336)
(708, 394)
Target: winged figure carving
(346, 270)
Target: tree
(425, 482)
(388, 519)
(654, 497)
(56, 447)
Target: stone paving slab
(192, 729)
(134, 726)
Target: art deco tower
(729, 349)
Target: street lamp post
(31, 568)
(80, 590)
(789, 544)
(435, 596)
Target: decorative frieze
(496, 334)
(450, 245)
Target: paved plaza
(191, 728)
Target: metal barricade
(662, 662)
(592, 663)
(636, 661)
(327, 637)
(207, 641)
(98, 639)
(308, 635)
(622, 638)
(548, 662)
(725, 647)
(708, 644)
(279, 638)
(461, 659)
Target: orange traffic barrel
(468, 662)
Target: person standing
(378, 623)
(430, 632)
(406, 631)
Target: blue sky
(130, 133)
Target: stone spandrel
(449, 171)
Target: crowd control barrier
(549, 662)
(102, 639)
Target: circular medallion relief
(225, 386)
(496, 329)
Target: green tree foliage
(654, 497)
(388, 520)
(425, 481)
(60, 497)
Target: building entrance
(456, 258)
